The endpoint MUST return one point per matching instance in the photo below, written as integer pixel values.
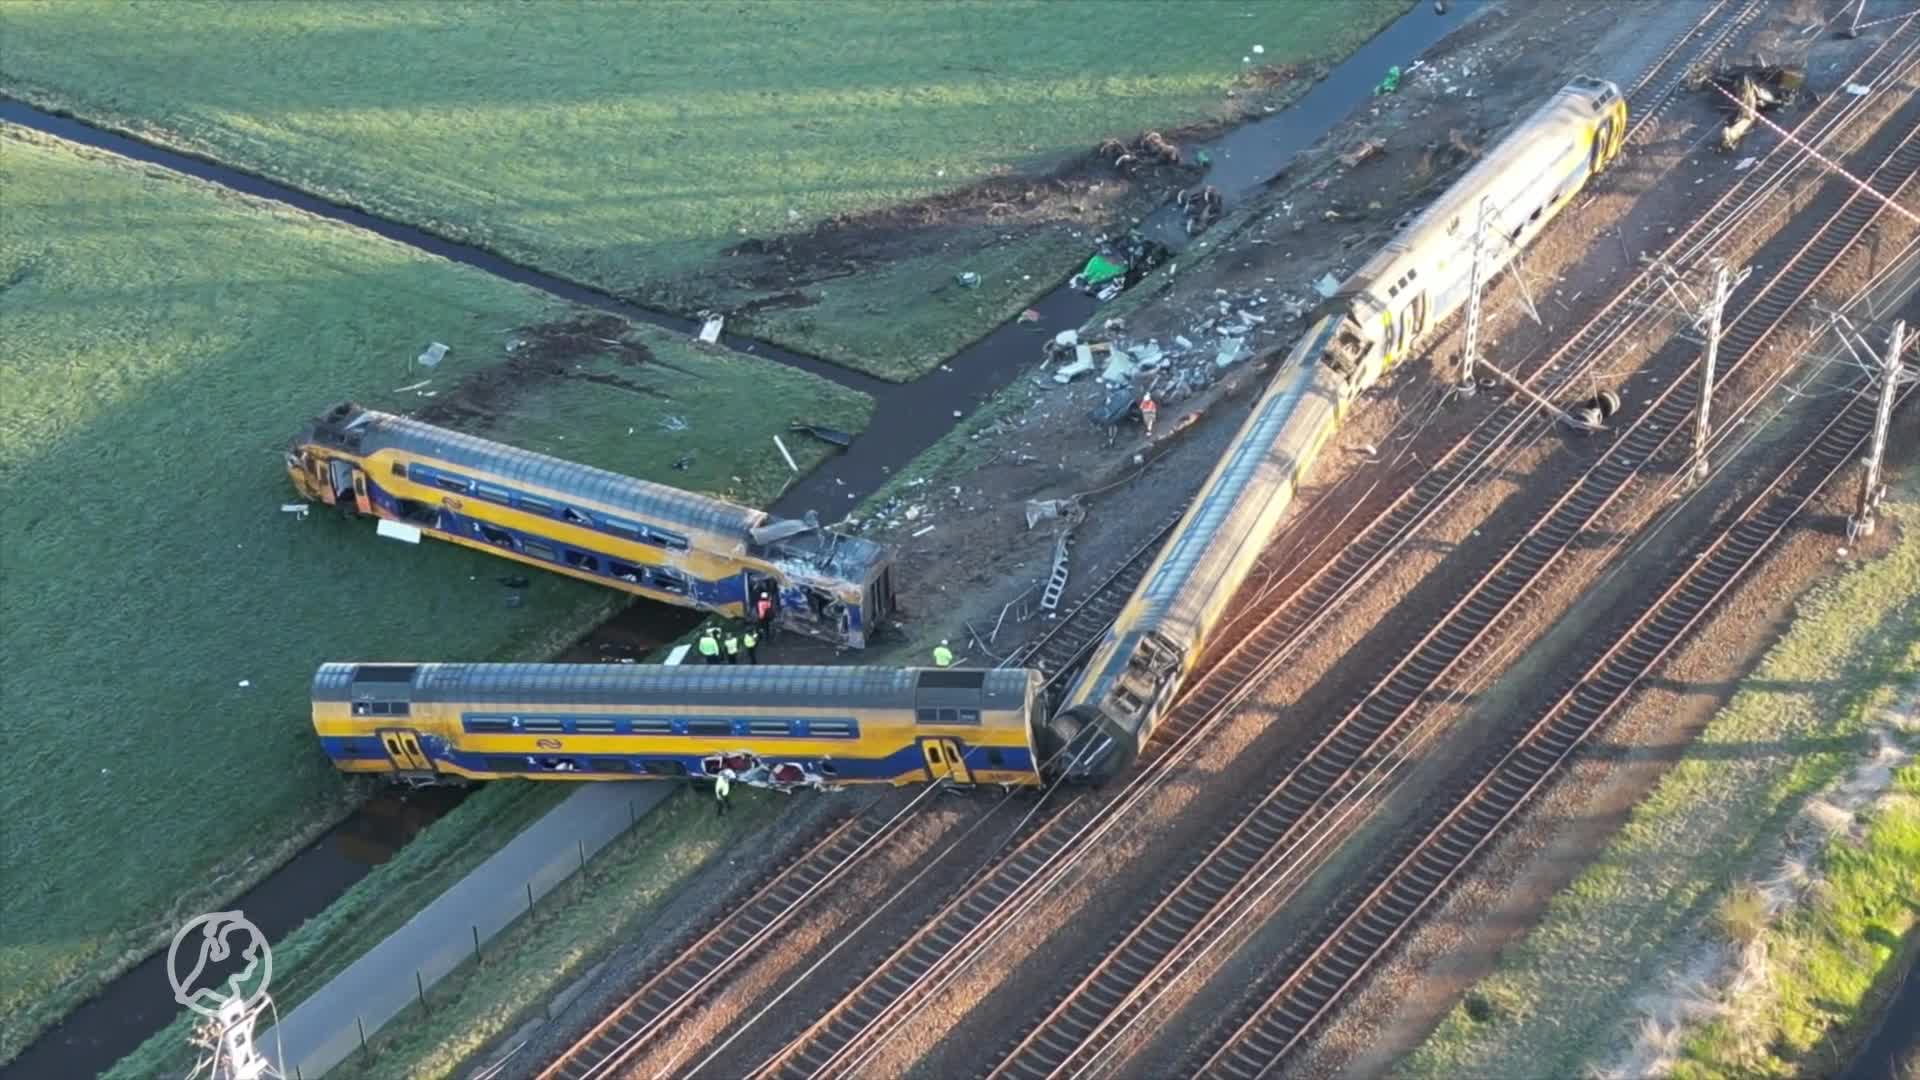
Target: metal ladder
(1057, 581)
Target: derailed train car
(776, 727)
(1385, 311)
(644, 538)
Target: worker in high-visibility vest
(710, 644)
(1148, 411)
(747, 642)
(942, 656)
(722, 787)
(732, 645)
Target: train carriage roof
(367, 431)
(692, 686)
(645, 500)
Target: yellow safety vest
(709, 645)
(721, 786)
(942, 655)
(733, 645)
(747, 639)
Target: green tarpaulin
(1100, 268)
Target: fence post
(477, 958)
(420, 985)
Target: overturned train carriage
(1388, 309)
(778, 727)
(644, 538)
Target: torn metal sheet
(824, 434)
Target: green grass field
(1560, 1000)
(160, 617)
(630, 145)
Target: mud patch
(540, 354)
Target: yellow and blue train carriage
(778, 727)
(644, 538)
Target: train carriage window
(969, 716)
(995, 758)
(623, 571)
(668, 580)
(623, 529)
(534, 506)
(400, 469)
(949, 716)
(538, 550)
(574, 517)
(593, 725)
(480, 724)
(767, 727)
(610, 764)
(709, 727)
(833, 728)
(493, 494)
(927, 716)
(581, 560)
(650, 725)
(493, 535)
(536, 723)
(663, 767)
(452, 483)
(507, 764)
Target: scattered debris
(784, 454)
(435, 353)
(1746, 163)
(1151, 148)
(395, 530)
(683, 462)
(710, 330)
(1327, 286)
(1039, 510)
(1368, 148)
(1031, 315)
(968, 280)
(824, 434)
(1746, 90)
(1203, 206)
(1389, 84)
(922, 532)
(1067, 339)
(1229, 352)
(1594, 411)
(1181, 340)
(672, 423)
(1119, 266)
(413, 386)
(299, 510)
(1857, 90)
(244, 683)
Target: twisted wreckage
(1747, 90)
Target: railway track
(689, 972)
(1061, 650)
(1321, 790)
(832, 1044)
(1369, 926)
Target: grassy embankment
(1561, 1000)
(630, 148)
(162, 343)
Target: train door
(1602, 151)
(360, 499)
(1419, 316)
(944, 760)
(403, 749)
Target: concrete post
(1872, 489)
(1475, 281)
(1722, 285)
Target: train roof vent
(953, 680)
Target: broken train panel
(777, 727)
(643, 538)
(1386, 311)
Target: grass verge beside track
(634, 147)
(1560, 999)
(161, 619)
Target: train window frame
(650, 725)
(709, 728)
(580, 560)
(459, 485)
(484, 725)
(926, 715)
(543, 725)
(667, 579)
(833, 729)
(594, 725)
(769, 727)
(625, 530)
(400, 469)
(575, 517)
(663, 767)
(539, 550)
(949, 716)
(493, 493)
(969, 716)
(533, 505)
(493, 534)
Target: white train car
(1379, 316)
